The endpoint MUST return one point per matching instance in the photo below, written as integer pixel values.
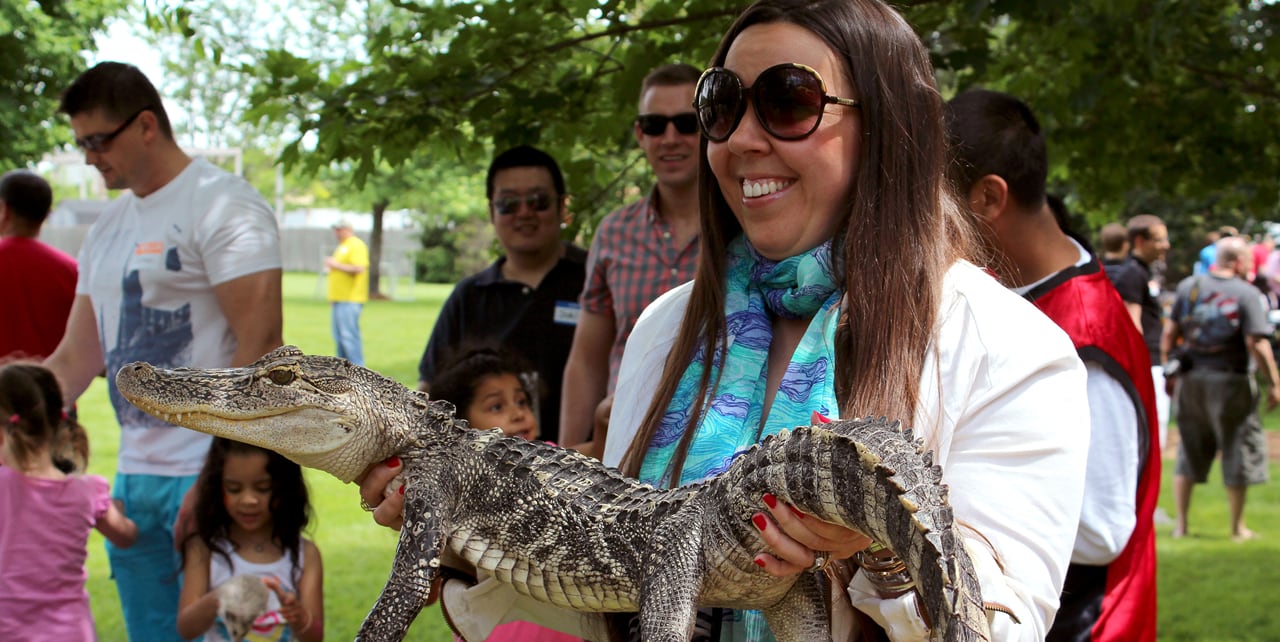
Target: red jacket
(1120, 598)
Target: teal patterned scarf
(795, 288)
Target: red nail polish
(759, 521)
(770, 500)
(393, 461)
(759, 562)
(796, 512)
(401, 491)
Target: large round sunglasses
(789, 101)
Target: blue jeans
(148, 574)
(346, 331)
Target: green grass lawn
(1210, 588)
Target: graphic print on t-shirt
(159, 337)
(1215, 321)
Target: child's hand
(294, 613)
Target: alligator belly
(565, 585)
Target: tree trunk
(375, 249)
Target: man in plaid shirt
(639, 252)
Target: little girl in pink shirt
(47, 512)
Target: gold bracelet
(887, 573)
(882, 563)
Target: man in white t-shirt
(182, 270)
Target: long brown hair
(32, 401)
(290, 504)
(902, 232)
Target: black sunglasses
(789, 101)
(656, 124)
(537, 202)
(100, 142)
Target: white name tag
(567, 313)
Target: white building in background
(314, 217)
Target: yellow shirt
(343, 286)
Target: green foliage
(40, 45)
(435, 264)
(460, 80)
(1166, 105)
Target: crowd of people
(825, 237)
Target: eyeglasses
(100, 142)
(537, 202)
(656, 124)
(789, 101)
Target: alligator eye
(281, 377)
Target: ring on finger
(819, 561)
(365, 505)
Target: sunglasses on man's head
(656, 124)
(789, 100)
(536, 201)
(100, 142)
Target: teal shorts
(148, 574)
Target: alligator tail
(895, 495)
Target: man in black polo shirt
(1148, 243)
(527, 300)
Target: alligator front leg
(669, 596)
(801, 614)
(416, 566)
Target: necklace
(258, 546)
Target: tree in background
(1168, 106)
(40, 45)
(461, 80)
(446, 194)
(1168, 97)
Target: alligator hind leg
(416, 566)
(801, 615)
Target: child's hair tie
(64, 416)
(14, 419)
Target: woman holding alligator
(836, 279)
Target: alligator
(564, 529)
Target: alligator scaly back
(560, 527)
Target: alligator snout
(131, 376)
